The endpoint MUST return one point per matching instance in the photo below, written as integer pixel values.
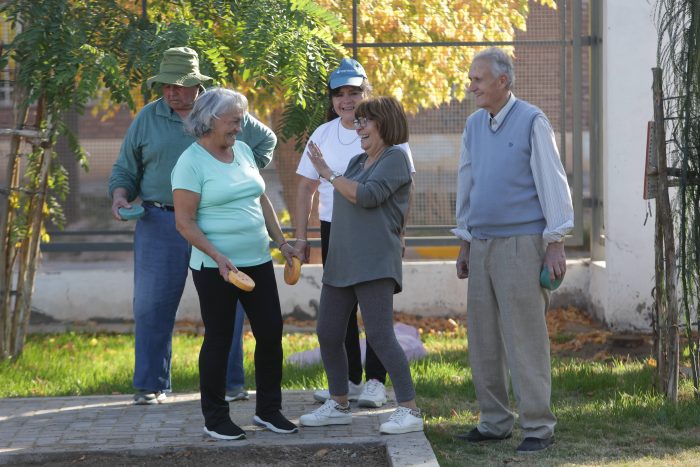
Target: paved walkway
(36, 426)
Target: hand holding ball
(293, 271)
(241, 280)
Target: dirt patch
(573, 333)
(242, 456)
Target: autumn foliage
(424, 77)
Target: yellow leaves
(14, 200)
(107, 109)
(549, 3)
(425, 77)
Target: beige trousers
(507, 334)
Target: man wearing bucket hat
(151, 147)
(339, 141)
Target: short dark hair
(388, 114)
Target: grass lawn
(608, 414)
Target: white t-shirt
(338, 145)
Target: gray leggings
(376, 300)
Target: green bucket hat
(180, 66)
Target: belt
(156, 204)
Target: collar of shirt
(164, 110)
(495, 120)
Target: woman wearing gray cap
(339, 142)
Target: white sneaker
(403, 420)
(373, 394)
(330, 413)
(354, 391)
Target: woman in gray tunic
(370, 205)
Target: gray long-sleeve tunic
(365, 241)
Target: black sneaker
(530, 445)
(276, 422)
(475, 436)
(226, 430)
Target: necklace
(340, 140)
(233, 159)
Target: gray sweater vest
(503, 201)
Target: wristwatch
(333, 176)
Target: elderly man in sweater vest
(513, 210)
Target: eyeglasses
(360, 122)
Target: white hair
(501, 64)
(209, 106)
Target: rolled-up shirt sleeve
(261, 139)
(391, 173)
(550, 182)
(464, 186)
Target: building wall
(622, 285)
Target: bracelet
(301, 240)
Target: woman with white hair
(222, 210)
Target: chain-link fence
(544, 67)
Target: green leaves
(277, 52)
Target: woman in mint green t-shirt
(222, 210)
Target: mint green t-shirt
(229, 211)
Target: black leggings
(373, 366)
(217, 301)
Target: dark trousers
(217, 301)
(373, 366)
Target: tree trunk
(9, 213)
(30, 254)
(668, 364)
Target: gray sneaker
(238, 394)
(149, 397)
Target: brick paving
(41, 426)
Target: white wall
(622, 284)
(99, 295)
